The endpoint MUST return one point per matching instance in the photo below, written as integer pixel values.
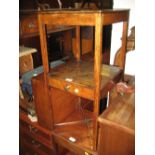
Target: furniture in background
(34, 139)
(95, 2)
(107, 29)
(130, 46)
(26, 59)
(28, 130)
(59, 44)
(35, 4)
(117, 124)
(25, 64)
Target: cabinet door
(42, 104)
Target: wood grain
(87, 78)
(117, 124)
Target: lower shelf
(80, 130)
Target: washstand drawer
(73, 88)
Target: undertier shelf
(78, 127)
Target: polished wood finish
(86, 45)
(83, 78)
(42, 104)
(97, 72)
(60, 100)
(85, 17)
(29, 25)
(29, 36)
(82, 75)
(84, 143)
(78, 44)
(117, 124)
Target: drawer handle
(76, 91)
(67, 87)
(31, 25)
(32, 129)
(35, 144)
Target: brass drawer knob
(31, 25)
(76, 90)
(32, 129)
(35, 144)
(67, 87)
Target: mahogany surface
(84, 141)
(82, 76)
(122, 112)
(117, 125)
(29, 25)
(29, 36)
(34, 138)
(42, 104)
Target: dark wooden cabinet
(33, 4)
(34, 139)
(59, 44)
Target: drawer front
(32, 146)
(36, 134)
(29, 25)
(78, 90)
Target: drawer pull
(31, 25)
(32, 129)
(35, 144)
(76, 90)
(67, 87)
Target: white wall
(117, 32)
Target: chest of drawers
(35, 139)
